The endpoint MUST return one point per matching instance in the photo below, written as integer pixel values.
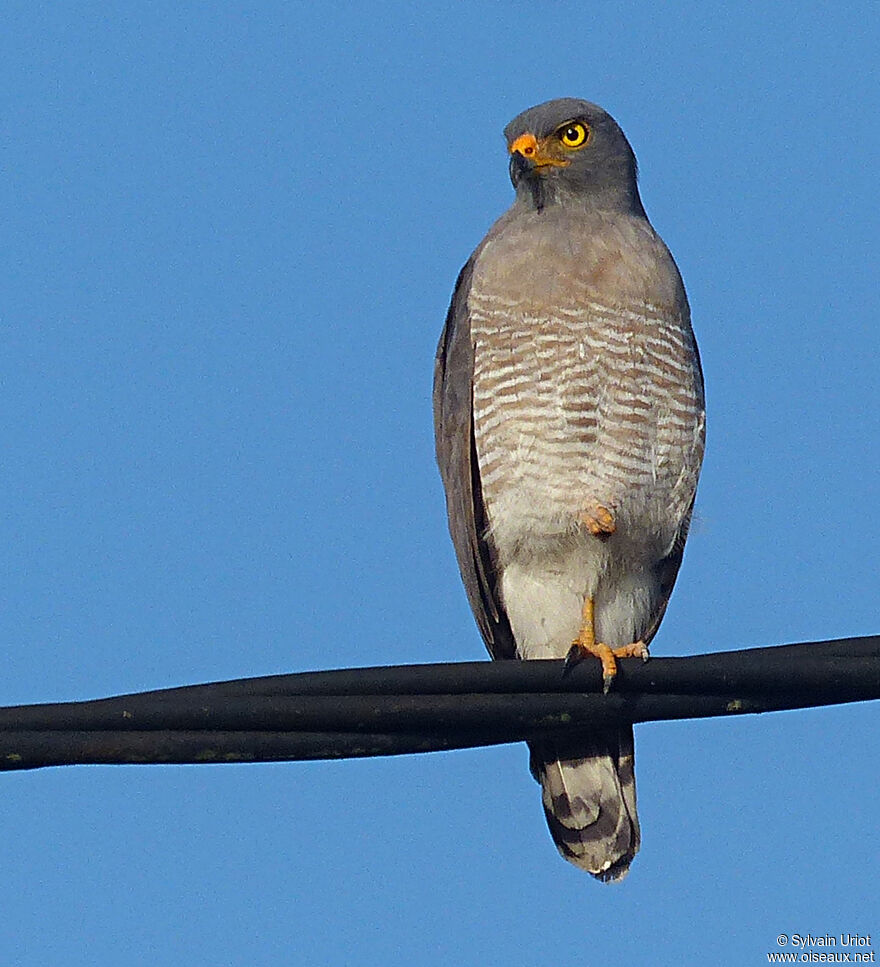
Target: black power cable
(423, 708)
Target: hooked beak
(536, 152)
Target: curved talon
(572, 658)
(596, 649)
(638, 649)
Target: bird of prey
(569, 418)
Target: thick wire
(396, 710)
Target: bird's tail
(589, 793)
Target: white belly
(544, 598)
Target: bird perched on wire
(569, 418)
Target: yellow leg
(586, 644)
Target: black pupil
(572, 134)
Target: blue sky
(231, 233)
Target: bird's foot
(599, 521)
(583, 646)
(586, 644)
(638, 649)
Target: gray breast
(582, 398)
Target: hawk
(570, 425)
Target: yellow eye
(574, 134)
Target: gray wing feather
(459, 468)
(667, 568)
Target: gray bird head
(572, 152)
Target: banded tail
(589, 794)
